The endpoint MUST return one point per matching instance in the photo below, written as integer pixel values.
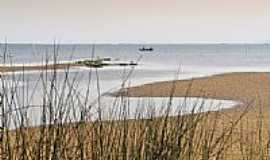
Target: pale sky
(135, 21)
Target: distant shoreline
(99, 63)
(21, 68)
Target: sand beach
(252, 90)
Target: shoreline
(100, 63)
(61, 66)
(252, 89)
(249, 88)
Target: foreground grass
(198, 136)
(210, 135)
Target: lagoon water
(166, 62)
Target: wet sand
(8, 69)
(62, 66)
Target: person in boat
(146, 49)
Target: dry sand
(244, 87)
(252, 89)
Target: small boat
(143, 49)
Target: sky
(135, 21)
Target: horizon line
(135, 43)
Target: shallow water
(149, 107)
(111, 108)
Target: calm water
(166, 62)
(162, 64)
